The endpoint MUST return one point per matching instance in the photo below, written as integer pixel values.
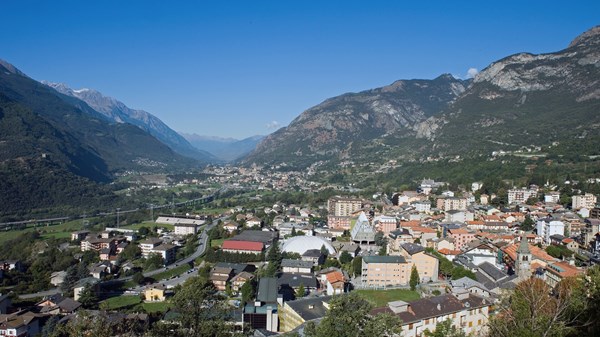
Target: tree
(349, 315)
(138, 277)
(300, 292)
(88, 298)
(70, 280)
(131, 252)
(345, 257)
(534, 310)
(357, 266)
(248, 291)
(143, 231)
(527, 224)
(274, 258)
(414, 278)
(445, 329)
(203, 312)
(154, 261)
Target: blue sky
(241, 68)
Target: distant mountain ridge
(55, 148)
(333, 129)
(226, 149)
(548, 101)
(116, 111)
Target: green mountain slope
(523, 105)
(334, 129)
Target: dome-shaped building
(300, 244)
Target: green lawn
(216, 243)
(150, 307)
(380, 298)
(62, 230)
(172, 272)
(120, 302)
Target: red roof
(242, 245)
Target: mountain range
(55, 148)
(225, 149)
(548, 102)
(118, 112)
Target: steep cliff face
(330, 129)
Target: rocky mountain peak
(11, 69)
(589, 37)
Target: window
(470, 324)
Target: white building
(587, 200)
(422, 206)
(548, 226)
(520, 195)
(552, 197)
(185, 229)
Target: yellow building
(427, 265)
(295, 313)
(155, 293)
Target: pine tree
(414, 278)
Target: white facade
(517, 196)
(553, 197)
(587, 200)
(549, 227)
(185, 229)
(422, 206)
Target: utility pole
(151, 212)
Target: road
(200, 250)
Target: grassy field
(133, 303)
(216, 243)
(120, 302)
(380, 298)
(62, 230)
(172, 272)
(150, 307)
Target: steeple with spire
(522, 263)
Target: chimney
(439, 307)
(398, 306)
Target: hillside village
(433, 254)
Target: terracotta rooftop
(243, 245)
(563, 269)
(511, 251)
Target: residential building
(19, 324)
(427, 265)
(467, 312)
(296, 266)
(587, 200)
(549, 226)
(148, 245)
(422, 206)
(220, 276)
(461, 237)
(155, 293)
(381, 271)
(79, 235)
(239, 280)
(385, 224)
(167, 251)
(297, 312)
(340, 206)
(451, 203)
(557, 271)
(520, 195)
(185, 229)
(552, 197)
